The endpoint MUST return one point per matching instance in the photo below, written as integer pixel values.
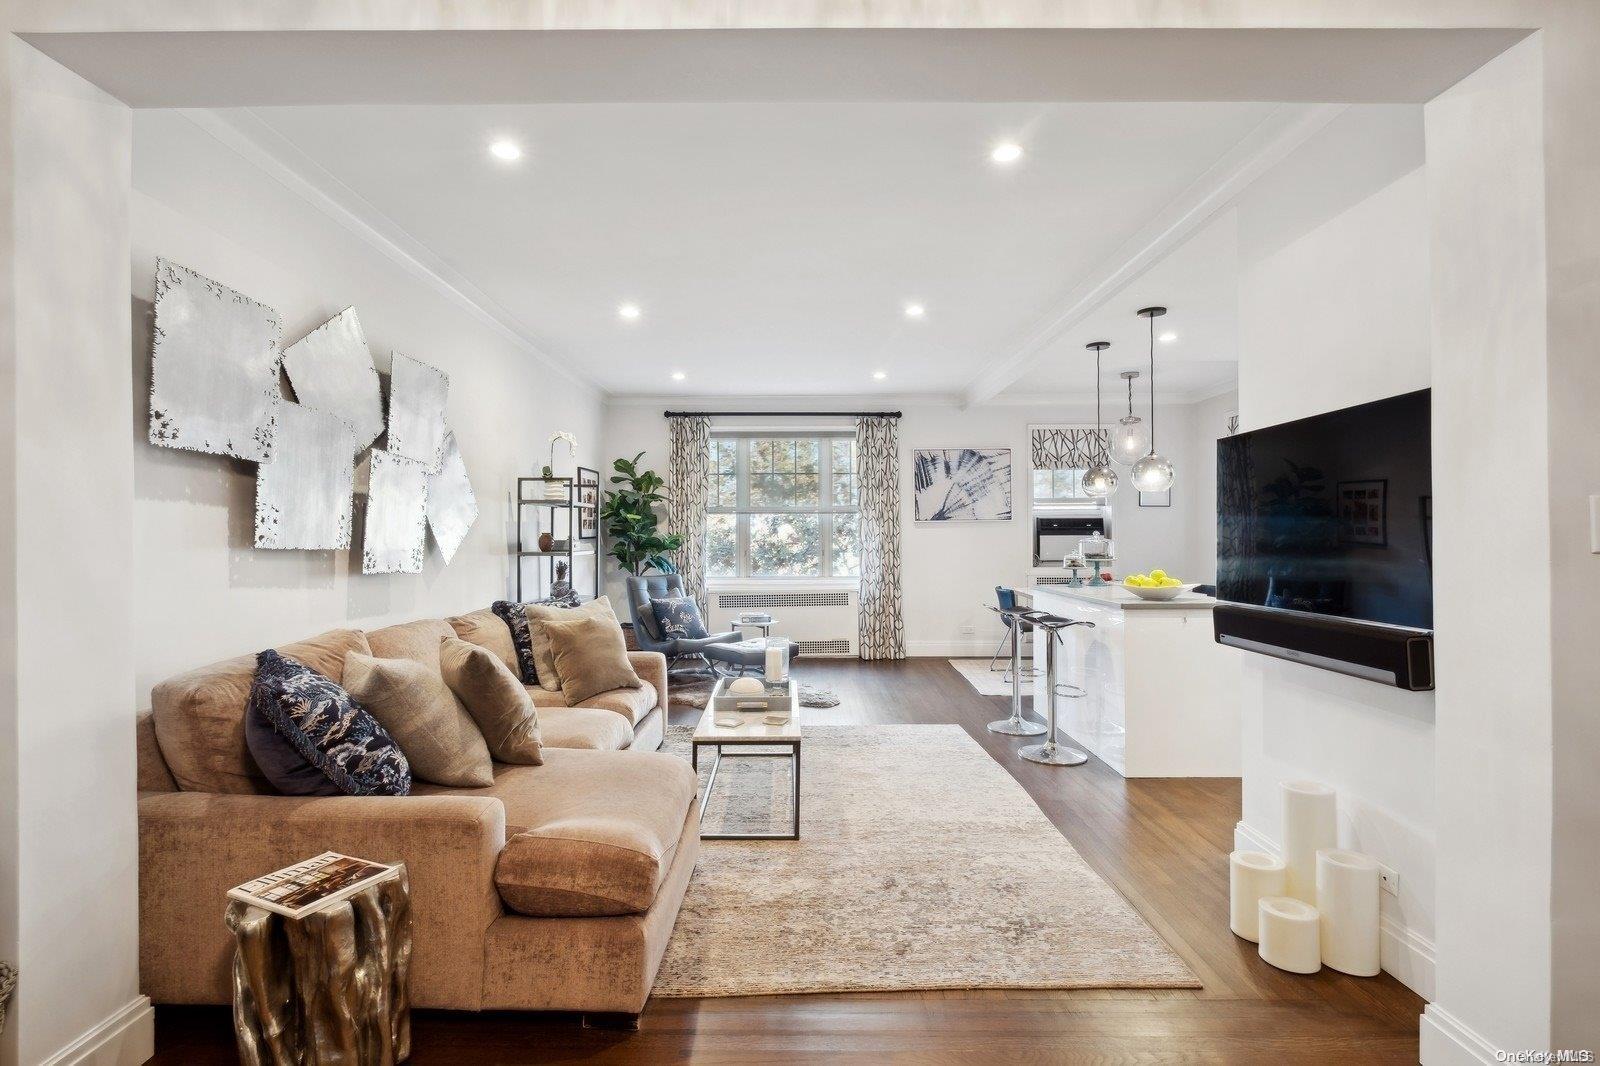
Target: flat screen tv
(1329, 519)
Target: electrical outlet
(1389, 879)
(969, 630)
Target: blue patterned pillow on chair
(678, 617)
(330, 730)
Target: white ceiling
(772, 247)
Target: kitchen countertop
(1117, 596)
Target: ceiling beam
(1280, 133)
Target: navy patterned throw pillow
(330, 730)
(679, 617)
(517, 621)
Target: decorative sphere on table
(1153, 473)
(745, 686)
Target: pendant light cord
(1099, 429)
(1152, 384)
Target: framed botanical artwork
(961, 484)
(588, 503)
(1156, 499)
(1362, 508)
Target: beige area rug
(987, 683)
(922, 864)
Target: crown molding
(787, 402)
(254, 140)
(1277, 135)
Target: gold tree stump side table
(328, 989)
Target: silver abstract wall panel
(452, 507)
(304, 496)
(331, 370)
(962, 484)
(417, 394)
(214, 367)
(397, 510)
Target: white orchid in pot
(556, 490)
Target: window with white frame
(783, 506)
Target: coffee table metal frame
(792, 754)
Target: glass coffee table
(752, 732)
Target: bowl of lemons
(1156, 585)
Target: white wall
(1208, 423)
(1334, 311)
(203, 591)
(951, 569)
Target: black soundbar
(1389, 655)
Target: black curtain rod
(782, 414)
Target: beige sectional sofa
(555, 888)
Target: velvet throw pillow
(496, 700)
(591, 657)
(521, 639)
(538, 613)
(679, 616)
(330, 731)
(414, 704)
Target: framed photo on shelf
(1156, 499)
(588, 502)
(1363, 511)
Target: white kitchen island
(1162, 697)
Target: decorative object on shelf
(588, 504)
(1308, 825)
(556, 488)
(1153, 473)
(1290, 934)
(1156, 499)
(561, 585)
(1099, 481)
(329, 984)
(961, 484)
(213, 367)
(547, 541)
(633, 535)
(452, 507)
(1347, 897)
(1130, 441)
(305, 495)
(1251, 875)
(417, 395)
(1363, 512)
(397, 509)
(331, 370)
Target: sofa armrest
(194, 846)
(651, 666)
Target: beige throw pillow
(590, 656)
(543, 660)
(495, 698)
(418, 709)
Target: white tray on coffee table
(751, 732)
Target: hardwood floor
(1162, 843)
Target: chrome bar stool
(1008, 612)
(1016, 725)
(1050, 753)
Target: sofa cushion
(632, 703)
(589, 832)
(590, 656)
(495, 698)
(584, 727)
(199, 716)
(412, 702)
(330, 730)
(537, 614)
(487, 630)
(417, 641)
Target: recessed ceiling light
(629, 312)
(878, 375)
(1167, 337)
(508, 151)
(677, 375)
(1009, 152)
(915, 310)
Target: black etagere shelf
(561, 517)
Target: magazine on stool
(309, 886)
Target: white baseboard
(1447, 1041)
(1404, 954)
(126, 1038)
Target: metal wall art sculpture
(304, 496)
(417, 394)
(452, 507)
(214, 367)
(331, 370)
(397, 506)
(962, 484)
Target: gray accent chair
(678, 650)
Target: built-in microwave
(1056, 536)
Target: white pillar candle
(1290, 937)
(1347, 896)
(1308, 824)
(776, 662)
(1251, 875)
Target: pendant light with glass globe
(1153, 473)
(1130, 441)
(1099, 481)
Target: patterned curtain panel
(688, 479)
(1069, 447)
(882, 627)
